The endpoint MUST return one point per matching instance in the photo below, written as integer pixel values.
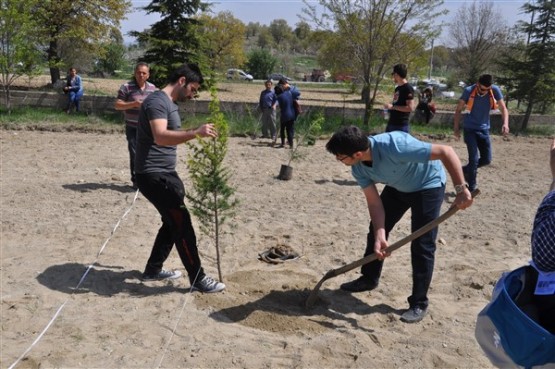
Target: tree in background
(211, 195)
(369, 33)
(281, 33)
(112, 58)
(222, 40)
(18, 43)
(174, 39)
(478, 34)
(529, 67)
(87, 21)
(261, 63)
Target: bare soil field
(75, 238)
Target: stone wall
(101, 104)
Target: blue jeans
(425, 206)
(74, 97)
(478, 145)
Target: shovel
(367, 259)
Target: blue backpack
(511, 329)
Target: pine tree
(211, 196)
(173, 40)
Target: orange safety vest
(470, 102)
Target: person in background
(158, 134)
(425, 105)
(74, 90)
(414, 179)
(480, 99)
(267, 104)
(403, 101)
(129, 100)
(287, 115)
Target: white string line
(172, 334)
(78, 285)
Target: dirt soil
(74, 242)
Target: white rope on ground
(172, 334)
(78, 285)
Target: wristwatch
(460, 188)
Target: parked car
(238, 74)
(278, 76)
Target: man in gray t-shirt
(158, 134)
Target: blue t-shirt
(401, 161)
(286, 107)
(478, 118)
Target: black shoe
(413, 315)
(359, 285)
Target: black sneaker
(208, 285)
(359, 285)
(413, 315)
(163, 274)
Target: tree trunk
(524, 126)
(53, 61)
(365, 96)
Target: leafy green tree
(370, 36)
(89, 21)
(479, 33)
(113, 56)
(174, 39)
(530, 67)
(261, 63)
(18, 49)
(281, 33)
(211, 195)
(222, 38)
(265, 39)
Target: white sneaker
(163, 274)
(208, 285)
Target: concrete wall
(101, 104)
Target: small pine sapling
(306, 135)
(211, 196)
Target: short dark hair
(486, 80)
(347, 141)
(141, 64)
(269, 81)
(401, 70)
(190, 71)
(278, 89)
(282, 81)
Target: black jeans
(166, 192)
(425, 206)
(131, 135)
(290, 128)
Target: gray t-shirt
(150, 157)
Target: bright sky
(264, 11)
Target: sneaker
(208, 285)
(413, 315)
(359, 285)
(161, 275)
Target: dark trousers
(166, 192)
(425, 206)
(131, 135)
(290, 128)
(478, 145)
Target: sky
(264, 11)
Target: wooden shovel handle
(367, 259)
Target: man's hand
(206, 130)
(379, 246)
(463, 199)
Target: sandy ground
(62, 194)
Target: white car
(238, 74)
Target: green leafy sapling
(211, 195)
(306, 135)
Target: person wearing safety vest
(480, 99)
